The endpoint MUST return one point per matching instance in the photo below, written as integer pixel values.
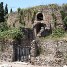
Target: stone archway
(39, 29)
(39, 17)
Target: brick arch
(39, 16)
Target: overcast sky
(14, 4)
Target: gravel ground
(18, 64)
(21, 64)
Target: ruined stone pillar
(35, 34)
(33, 51)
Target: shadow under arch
(39, 17)
(40, 30)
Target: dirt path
(18, 64)
(21, 64)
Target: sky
(14, 4)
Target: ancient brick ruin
(25, 49)
(41, 26)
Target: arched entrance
(39, 29)
(39, 26)
(39, 17)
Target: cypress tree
(6, 10)
(1, 12)
(11, 10)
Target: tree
(53, 6)
(3, 26)
(62, 14)
(65, 23)
(19, 9)
(11, 10)
(54, 19)
(6, 10)
(64, 7)
(1, 12)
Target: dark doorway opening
(39, 26)
(21, 53)
(39, 16)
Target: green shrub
(3, 26)
(54, 19)
(64, 7)
(13, 33)
(62, 14)
(65, 20)
(58, 32)
(18, 10)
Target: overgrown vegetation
(21, 17)
(58, 32)
(64, 7)
(65, 22)
(3, 26)
(1, 12)
(6, 10)
(7, 33)
(54, 20)
(64, 18)
(63, 14)
(11, 10)
(30, 14)
(13, 34)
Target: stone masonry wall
(13, 18)
(6, 51)
(53, 53)
(8, 46)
